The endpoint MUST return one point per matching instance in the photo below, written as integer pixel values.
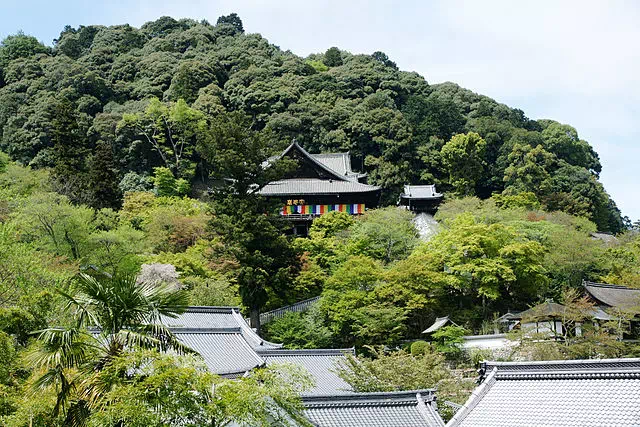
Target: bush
(418, 348)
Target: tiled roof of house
(420, 192)
(576, 393)
(314, 186)
(230, 347)
(336, 167)
(340, 163)
(213, 318)
(437, 324)
(550, 310)
(391, 409)
(616, 296)
(320, 363)
(226, 352)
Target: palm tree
(113, 315)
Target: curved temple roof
(617, 296)
(568, 393)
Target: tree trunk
(254, 317)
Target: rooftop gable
(570, 393)
(320, 169)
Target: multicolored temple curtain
(353, 209)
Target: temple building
(321, 183)
(420, 198)
(567, 393)
(231, 349)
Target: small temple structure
(320, 183)
(420, 198)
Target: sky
(577, 62)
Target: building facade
(319, 184)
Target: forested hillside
(106, 105)
(110, 139)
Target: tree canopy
(128, 100)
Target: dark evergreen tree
(251, 226)
(103, 177)
(332, 57)
(232, 19)
(69, 175)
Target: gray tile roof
(392, 409)
(321, 364)
(203, 317)
(338, 162)
(314, 186)
(225, 352)
(420, 192)
(336, 165)
(437, 324)
(576, 393)
(616, 296)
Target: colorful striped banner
(352, 209)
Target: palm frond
(59, 347)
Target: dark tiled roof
(576, 393)
(391, 409)
(617, 296)
(314, 186)
(420, 192)
(321, 364)
(225, 352)
(335, 165)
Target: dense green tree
(332, 57)
(172, 130)
(463, 156)
(69, 172)
(249, 224)
(103, 177)
(232, 19)
(384, 234)
(20, 46)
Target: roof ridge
(427, 411)
(590, 365)
(313, 159)
(306, 352)
(210, 309)
(378, 397)
(207, 330)
(608, 285)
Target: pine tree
(103, 177)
